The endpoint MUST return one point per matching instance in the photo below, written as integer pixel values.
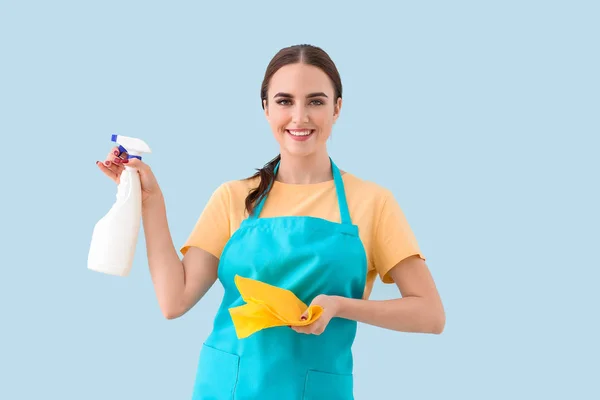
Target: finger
(302, 329)
(119, 151)
(114, 160)
(138, 164)
(113, 166)
(316, 328)
(110, 173)
(114, 152)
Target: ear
(337, 109)
(266, 107)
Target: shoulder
(232, 193)
(239, 187)
(365, 190)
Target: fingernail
(125, 161)
(117, 160)
(107, 163)
(116, 152)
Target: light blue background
(481, 117)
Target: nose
(300, 114)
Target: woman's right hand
(114, 164)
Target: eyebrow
(287, 95)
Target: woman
(301, 224)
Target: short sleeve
(212, 230)
(394, 239)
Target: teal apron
(309, 256)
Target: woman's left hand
(330, 306)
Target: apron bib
(309, 256)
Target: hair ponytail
(267, 176)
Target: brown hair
(302, 53)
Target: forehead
(300, 79)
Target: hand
(114, 164)
(330, 306)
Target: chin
(299, 152)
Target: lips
(300, 132)
(300, 135)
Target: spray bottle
(115, 236)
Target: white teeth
(300, 133)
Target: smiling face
(301, 109)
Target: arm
(179, 284)
(419, 310)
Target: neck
(315, 168)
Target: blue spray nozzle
(134, 146)
(123, 149)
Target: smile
(300, 134)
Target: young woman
(300, 224)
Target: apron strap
(339, 188)
(341, 194)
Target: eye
(316, 102)
(283, 102)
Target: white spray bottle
(115, 236)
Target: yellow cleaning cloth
(268, 306)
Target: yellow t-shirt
(383, 228)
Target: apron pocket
(217, 374)
(327, 386)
